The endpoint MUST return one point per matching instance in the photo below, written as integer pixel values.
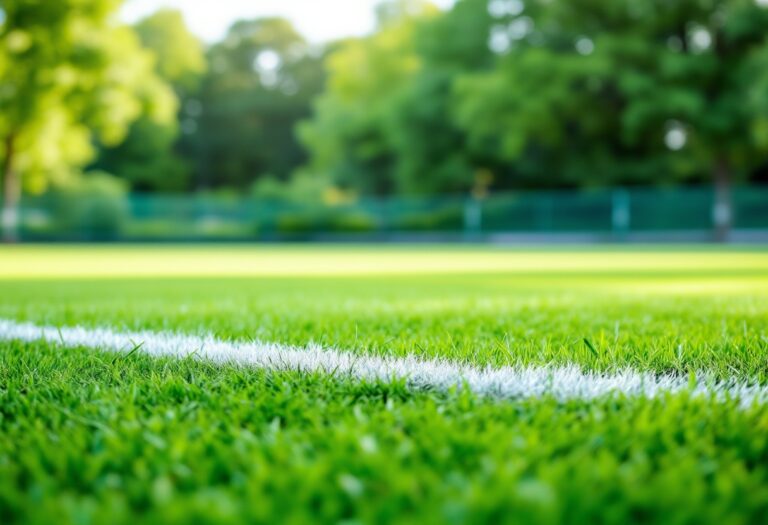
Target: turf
(88, 437)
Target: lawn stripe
(562, 382)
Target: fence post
(722, 209)
(473, 216)
(544, 213)
(620, 215)
(382, 215)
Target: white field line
(563, 383)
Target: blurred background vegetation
(485, 97)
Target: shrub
(93, 207)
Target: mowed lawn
(97, 437)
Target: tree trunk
(722, 213)
(11, 192)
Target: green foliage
(602, 92)
(70, 76)
(300, 189)
(319, 219)
(306, 205)
(349, 137)
(384, 124)
(546, 94)
(446, 218)
(179, 54)
(262, 78)
(94, 206)
(148, 157)
(488, 94)
(430, 148)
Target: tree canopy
(506, 93)
(546, 93)
(598, 92)
(262, 79)
(349, 133)
(179, 54)
(383, 113)
(150, 158)
(70, 75)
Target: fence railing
(612, 213)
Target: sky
(318, 20)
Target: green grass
(87, 438)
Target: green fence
(612, 214)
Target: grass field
(88, 436)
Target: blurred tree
(348, 137)
(598, 91)
(262, 80)
(148, 158)
(180, 54)
(69, 74)
(425, 137)
(351, 137)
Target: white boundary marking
(563, 383)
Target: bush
(302, 189)
(354, 222)
(446, 219)
(325, 220)
(94, 207)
